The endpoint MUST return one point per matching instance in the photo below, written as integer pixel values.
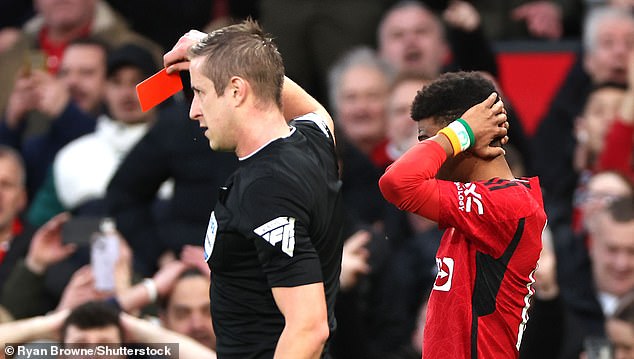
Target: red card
(157, 88)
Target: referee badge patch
(281, 229)
(210, 237)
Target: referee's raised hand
(176, 59)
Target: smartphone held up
(104, 252)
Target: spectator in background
(412, 38)
(402, 134)
(359, 84)
(591, 126)
(14, 235)
(185, 308)
(610, 248)
(618, 149)
(607, 39)
(600, 189)
(29, 277)
(92, 323)
(599, 275)
(401, 130)
(71, 102)
(82, 169)
(56, 23)
(599, 111)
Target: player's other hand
(488, 122)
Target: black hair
(92, 315)
(449, 96)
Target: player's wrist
(460, 135)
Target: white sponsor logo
(281, 229)
(445, 274)
(210, 237)
(468, 198)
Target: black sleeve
(277, 218)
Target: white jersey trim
(318, 120)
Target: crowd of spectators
(74, 144)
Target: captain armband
(460, 135)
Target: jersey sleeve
(314, 123)
(487, 212)
(276, 218)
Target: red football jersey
(479, 303)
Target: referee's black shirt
(278, 223)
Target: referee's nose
(195, 111)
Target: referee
(274, 239)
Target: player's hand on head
(176, 59)
(488, 122)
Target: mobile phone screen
(104, 253)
